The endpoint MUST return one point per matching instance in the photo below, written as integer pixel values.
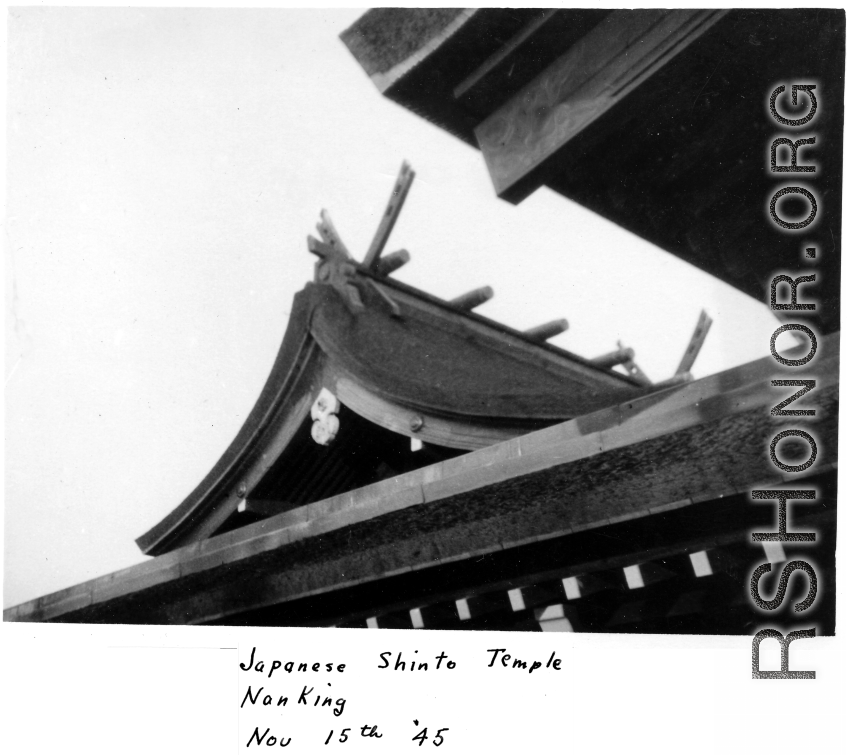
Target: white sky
(164, 169)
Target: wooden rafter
(695, 344)
(389, 217)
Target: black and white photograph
(516, 327)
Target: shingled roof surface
(681, 449)
(382, 39)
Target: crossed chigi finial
(338, 268)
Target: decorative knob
(325, 426)
(324, 430)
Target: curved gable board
(278, 409)
(420, 368)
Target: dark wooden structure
(632, 514)
(403, 365)
(410, 463)
(656, 119)
(632, 518)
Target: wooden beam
(504, 52)
(330, 236)
(392, 305)
(547, 330)
(742, 391)
(613, 358)
(473, 299)
(439, 431)
(695, 344)
(682, 377)
(488, 601)
(391, 262)
(590, 78)
(389, 218)
(604, 575)
(320, 248)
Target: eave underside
(680, 155)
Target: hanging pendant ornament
(325, 424)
